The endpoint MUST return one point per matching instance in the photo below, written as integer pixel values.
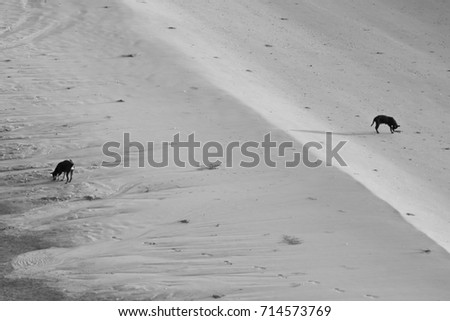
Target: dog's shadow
(366, 133)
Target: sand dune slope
(82, 73)
(315, 66)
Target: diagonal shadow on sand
(367, 133)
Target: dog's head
(54, 174)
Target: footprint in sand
(132, 55)
(313, 282)
(299, 273)
(207, 254)
(370, 296)
(339, 290)
(259, 267)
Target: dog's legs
(376, 127)
(71, 174)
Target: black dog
(382, 119)
(65, 167)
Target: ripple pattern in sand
(37, 260)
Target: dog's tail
(372, 122)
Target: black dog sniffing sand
(65, 167)
(383, 119)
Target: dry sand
(80, 73)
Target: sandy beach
(79, 74)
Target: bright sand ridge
(174, 233)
